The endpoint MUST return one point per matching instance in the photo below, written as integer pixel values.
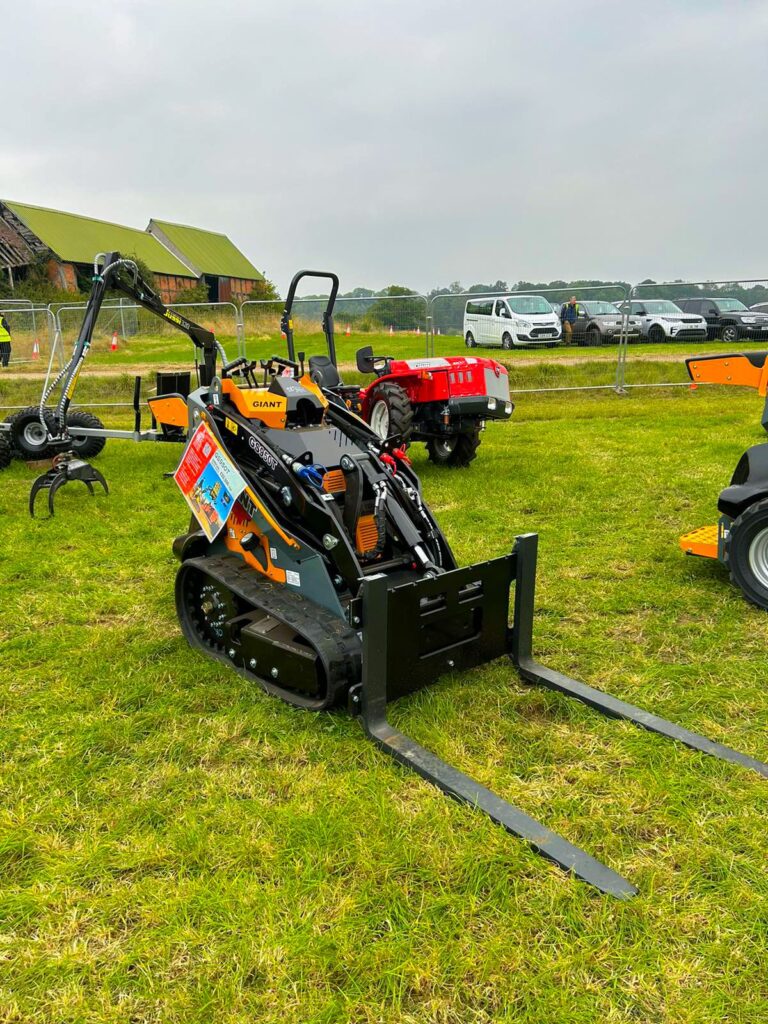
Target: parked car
(727, 319)
(760, 307)
(510, 320)
(598, 321)
(662, 320)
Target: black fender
(749, 482)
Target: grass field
(177, 847)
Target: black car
(727, 319)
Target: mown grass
(178, 847)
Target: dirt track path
(129, 369)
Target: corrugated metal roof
(208, 251)
(77, 239)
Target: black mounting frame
(371, 699)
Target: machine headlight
(491, 404)
(508, 408)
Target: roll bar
(286, 322)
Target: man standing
(568, 315)
(5, 341)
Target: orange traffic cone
(391, 330)
(347, 332)
(418, 330)
(36, 349)
(694, 387)
(113, 346)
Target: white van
(511, 320)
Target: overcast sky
(414, 143)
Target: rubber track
(336, 643)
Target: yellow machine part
(260, 404)
(702, 542)
(239, 524)
(169, 410)
(736, 369)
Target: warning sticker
(293, 578)
(209, 481)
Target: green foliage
(195, 293)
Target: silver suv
(662, 320)
(598, 321)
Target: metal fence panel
(536, 357)
(686, 318)
(396, 325)
(32, 332)
(134, 332)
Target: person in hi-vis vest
(5, 341)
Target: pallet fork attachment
(369, 700)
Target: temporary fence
(393, 324)
(617, 341)
(33, 334)
(701, 315)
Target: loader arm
(122, 274)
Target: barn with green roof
(179, 256)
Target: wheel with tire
(86, 447)
(506, 341)
(656, 334)
(28, 435)
(729, 334)
(391, 412)
(456, 450)
(747, 553)
(6, 453)
(594, 338)
(470, 340)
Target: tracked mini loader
(314, 568)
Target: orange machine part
(736, 369)
(366, 535)
(334, 482)
(238, 525)
(256, 403)
(701, 542)
(170, 410)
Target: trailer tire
(747, 553)
(456, 451)
(6, 453)
(391, 412)
(27, 435)
(86, 447)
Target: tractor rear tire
(6, 453)
(747, 553)
(27, 435)
(456, 451)
(391, 412)
(86, 447)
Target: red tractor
(442, 401)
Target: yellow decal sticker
(173, 317)
(230, 425)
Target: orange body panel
(238, 525)
(334, 482)
(735, 369)
(170, 410)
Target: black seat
(367, 362)
(323, 372)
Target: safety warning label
(209, 481)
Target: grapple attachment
(66, 467)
